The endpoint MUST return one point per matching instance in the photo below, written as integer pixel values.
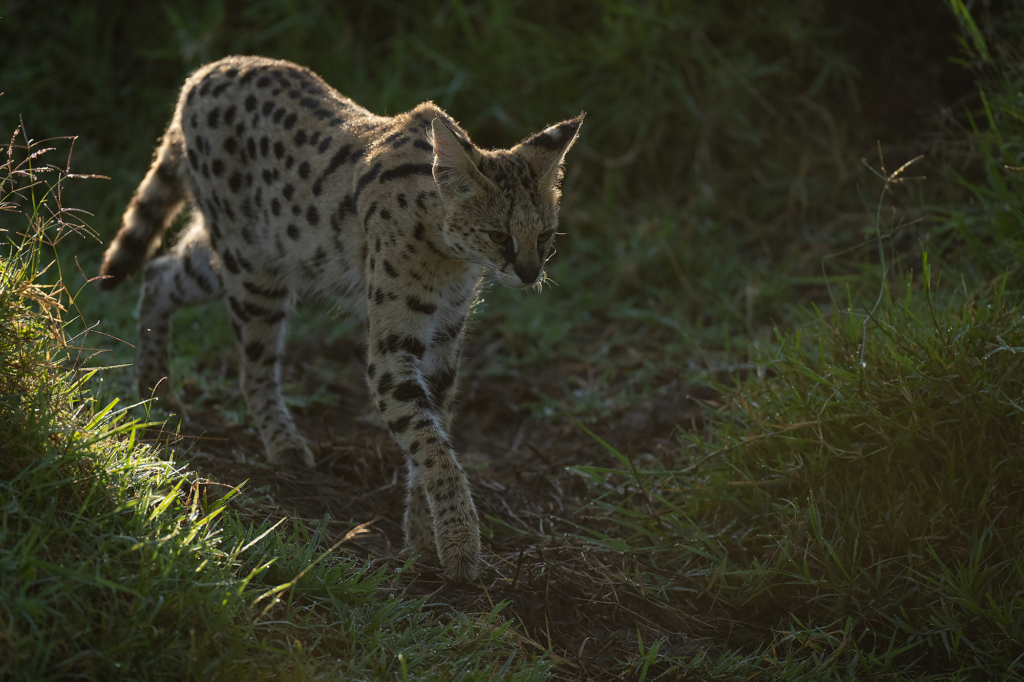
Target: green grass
(857, 500)
(851, 507)
(118, 563)
(864, 503)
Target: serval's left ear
(546, 150)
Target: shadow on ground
(580, 600)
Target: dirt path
(565, 593)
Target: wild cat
(299, 190)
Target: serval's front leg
(407, 367)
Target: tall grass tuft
(865, 502)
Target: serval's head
(501, 206)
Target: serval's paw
(458, 548)
(290, 456)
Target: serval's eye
(546, 236)
(499, 237)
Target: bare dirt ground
(583, 602)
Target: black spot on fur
(399, 425)
(449, 333)
(288, 191)
(235, 182)
(312, 216)
(440, 383)
(405, 170)
(395, 343)
(300, 137)
(323, 145)
(265, 293)
(304, 170)
(390, 269)
(293, 232)
(250, 103)
(213, 118)
(420, 306)
(346, 207)
(410, 391)
(253, 350)
(237, 309)
(365, 179)
(319, 258)
(289, 122)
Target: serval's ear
(455, 164)
(546, 150)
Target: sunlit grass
(118, 563)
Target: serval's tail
(157, 200)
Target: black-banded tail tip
(113, 271)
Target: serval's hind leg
(186, 276)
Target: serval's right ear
(454, 170)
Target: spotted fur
(298, 190)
